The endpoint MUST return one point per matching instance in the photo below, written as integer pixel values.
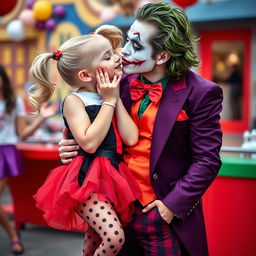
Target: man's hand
(164, 211)
(67, 148)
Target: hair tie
(56, 54)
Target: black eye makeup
(137, 46)
(135, 43)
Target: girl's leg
(4, 221)
(91, 241)
(103, 219)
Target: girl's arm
(126, 127)
(24, 130)
(88, 135)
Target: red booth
(229, 203)
(230, 209)
(38, 160)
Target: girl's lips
(134, 62)
(119, 66)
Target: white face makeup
(137, 52)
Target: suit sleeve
(205, 141)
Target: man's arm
(68, 148)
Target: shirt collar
(164, 81)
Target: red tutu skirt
(60, 195)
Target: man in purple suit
(177, 113)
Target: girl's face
(108, 59)
(137, 52)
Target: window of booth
(17, 58)
(225, 57)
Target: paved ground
(43, 241)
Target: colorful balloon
(59, 11)
(42, 10)
(40, 25)
(7, 6)
(29, 4)
(27, 18)
(184, 3)
(15, 30)
(50, 24)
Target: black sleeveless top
(108, 147)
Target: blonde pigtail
(69, 62)
(43, 88)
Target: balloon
(7, 7)
(40, 25)
(50, 24)
(29, 4)
(27, 18)
(184, 3)
(42, 10)
(15, 30)
(59, 11)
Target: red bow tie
(138, 89)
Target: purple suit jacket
(184, 156)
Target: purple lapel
(171, 103)
(125, 91)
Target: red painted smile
(134, 62)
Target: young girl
(96, 185)
(12, 127)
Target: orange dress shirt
(138, 157)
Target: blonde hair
(113, 34)
(68, 65)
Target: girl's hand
(48, 111)
(109, 90)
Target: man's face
(137, 52)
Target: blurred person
(235, 80)
(96, 191)
(128, 6)
(12, 128)
(177, 113)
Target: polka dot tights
(105, 235)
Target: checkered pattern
(149, 235)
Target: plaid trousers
(149, 235)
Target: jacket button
(155, 176)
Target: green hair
(174, 35)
